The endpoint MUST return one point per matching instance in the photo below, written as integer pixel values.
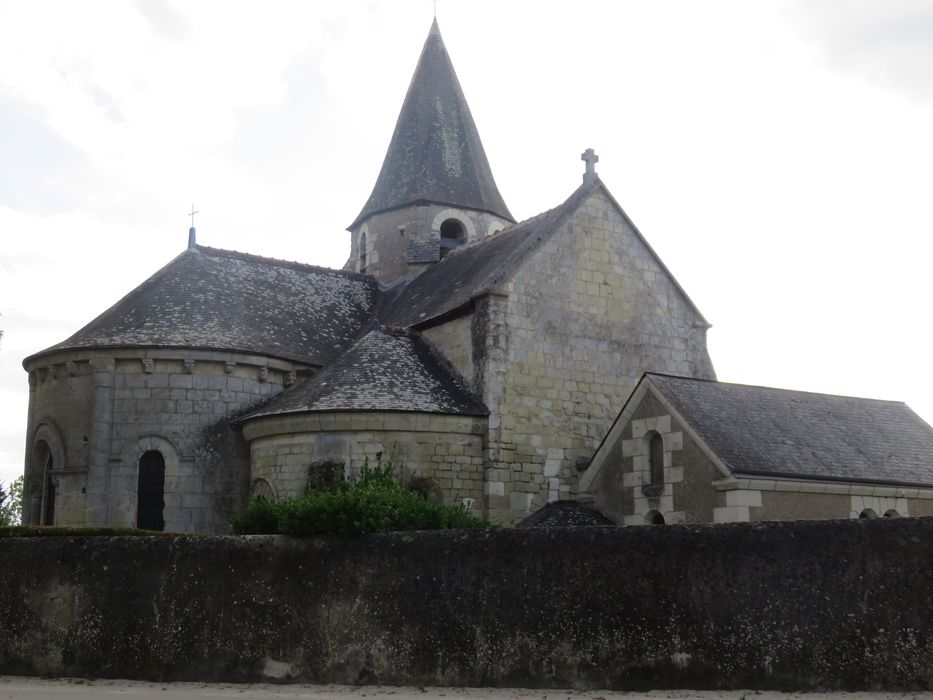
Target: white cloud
(889, 44)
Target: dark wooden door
(151, 492)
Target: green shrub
(377, 501)
(259, 518)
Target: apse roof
(778, 432)
(383, 371)
(217, 299)
(435, 154)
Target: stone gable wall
(844, 605)
(565, 345)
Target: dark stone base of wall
(806, 605)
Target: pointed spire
(435, 154)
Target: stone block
(742, 497)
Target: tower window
(453, 234)
(362, 251)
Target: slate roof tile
(474, 269)
(565, 514)
(220, 299)
(764, 431)
(435, 154)
(382, 371)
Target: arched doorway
(150, 502)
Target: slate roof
(565, 514)
(380, 372)
(435, 154)
(472, 270)
(776, 432)
(219, 299)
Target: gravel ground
(19, 688)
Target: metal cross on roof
(193, 212)
(589, 155)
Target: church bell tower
(435, 190)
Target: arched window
(453, 234)
(892, 514)
(48, 509)
(150, 498)
(867, 513)
(362, 251)
(654, 517)
(656, 458)
(261, 488)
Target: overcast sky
(777, 154)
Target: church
(484, 356)
(544, 372)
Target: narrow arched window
(654, 517)
(150, 498)
(362, 251)
(453, 234)
(656, 457)
(48, 514)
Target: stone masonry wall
(402, 242)
(110, 407)
(446, 450)
(579, 323)
(791, 606)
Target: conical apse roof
(435, 154)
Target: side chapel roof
(382, 371)
(217, 299)
(777, 432)
(435, 154)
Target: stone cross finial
(589, 155)
(192, 241)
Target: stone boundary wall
(803, 605)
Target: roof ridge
(773, 388)
(280, 262)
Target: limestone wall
(446, 450)
(565, 345)
(805, 605)
(102, 410)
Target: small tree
(11, 504)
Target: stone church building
(488, 357)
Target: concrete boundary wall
(804, 605)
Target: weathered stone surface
(842, 604)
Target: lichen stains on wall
(805, 605)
